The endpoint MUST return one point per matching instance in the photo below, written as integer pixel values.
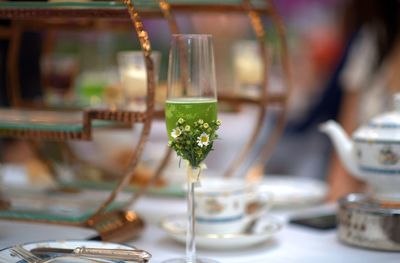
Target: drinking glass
(191, 109)
(59, 72)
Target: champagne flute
(191, 116)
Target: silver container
(365, 223)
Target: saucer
(6, 255)
(266, 227)
(294, 192)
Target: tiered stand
(122, 224)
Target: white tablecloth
(291, 244)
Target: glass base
(184, 260)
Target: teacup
(227, 206)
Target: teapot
(373, 152)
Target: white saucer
(5, 254)
(175, 227)
(293, 192)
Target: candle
(134, 82)
(248, 63)
(133, 76)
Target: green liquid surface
(191, 110)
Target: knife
(124, 254)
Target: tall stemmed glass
(191, 115)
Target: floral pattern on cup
(225, 206)
(212, 206)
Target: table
(291, 244)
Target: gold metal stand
(122, 225)
(116, 225)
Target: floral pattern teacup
(227, 206)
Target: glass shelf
(41, 120)
(55, 125)
(54, 206)
(112, 9)
(143, 4)
(165, 191)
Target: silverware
(24, 254)
(29, 257)
(123, 254)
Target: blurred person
(316, 50)
(360, 86)
(369, 77)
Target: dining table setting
(287, 242)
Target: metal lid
(362, 203)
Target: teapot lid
(385, 127)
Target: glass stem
(190, 232)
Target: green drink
(191, 117)
(191, 110)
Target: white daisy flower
(203, 140)
(175, 133)
(187, 128)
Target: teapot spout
(343, 145)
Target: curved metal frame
(266, 99)
(166, 11)
(281, 121)
(146, 48)
(260, 35)
(114, 219)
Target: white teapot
(373, 154)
